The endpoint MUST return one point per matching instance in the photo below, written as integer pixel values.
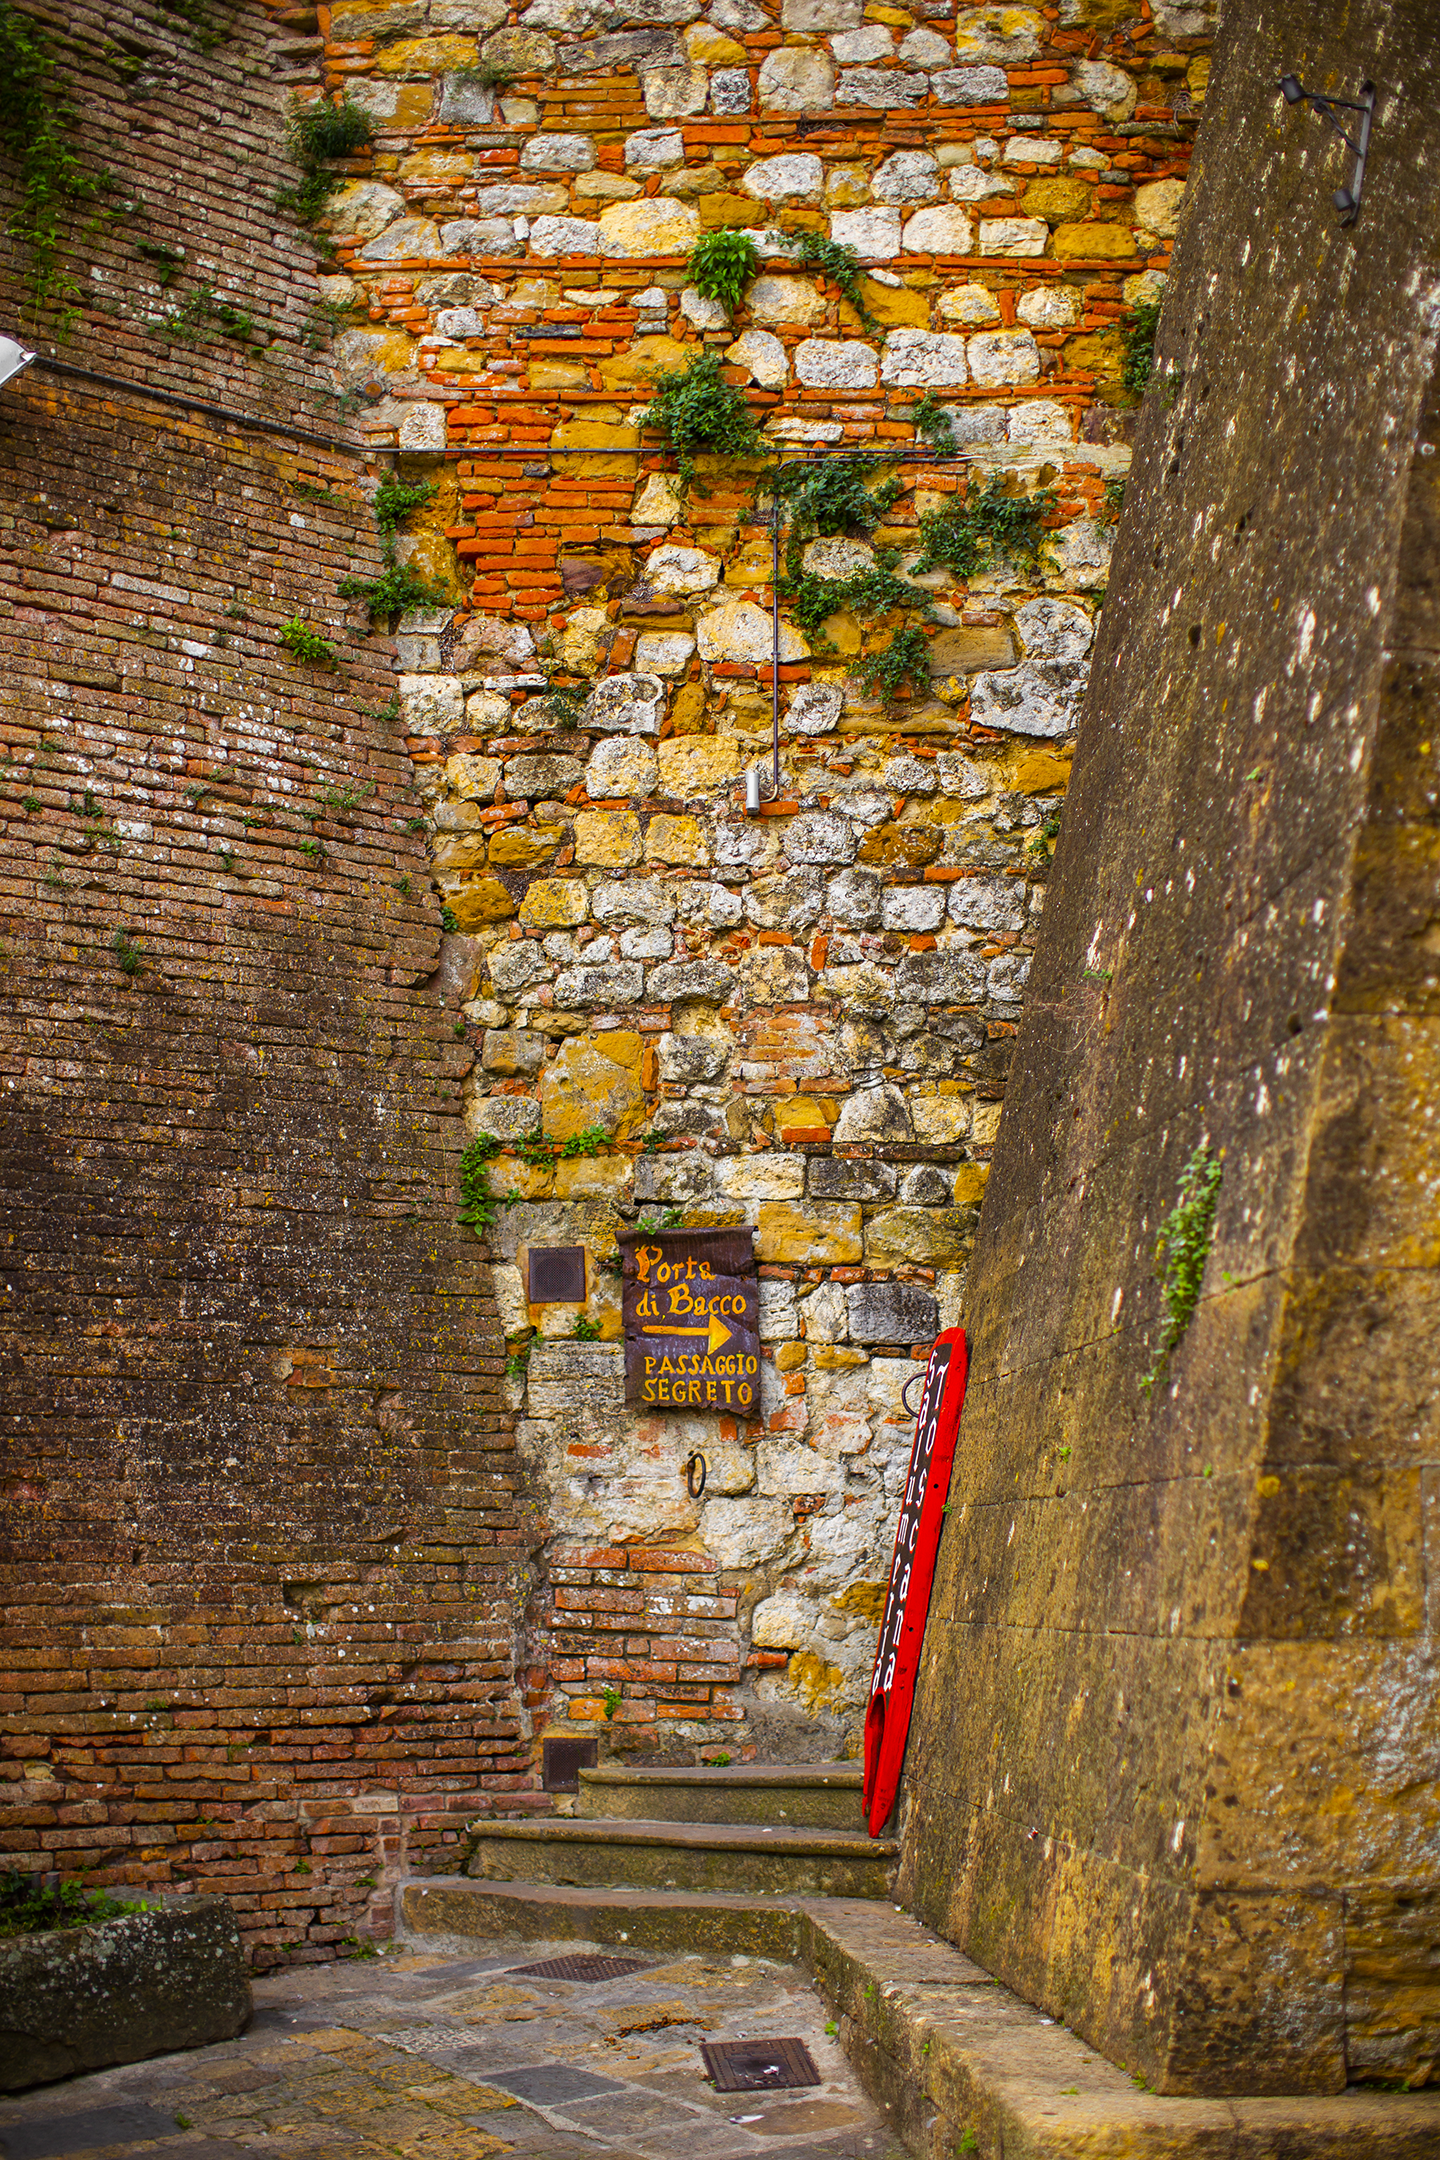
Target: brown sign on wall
(691, 1307)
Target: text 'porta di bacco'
(691, 1309)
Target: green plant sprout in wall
(306, 644)
(934, 425)
(38, 125)
(1182, 1249)
(721, 265)
(905, 659)
(400, 586)
(479, 1205)
(317, 133)
(700, 414)
(831, 495)
(1139, 362)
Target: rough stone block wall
(799, 1020)
(262, 1550)
(1176, 1757)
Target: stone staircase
(759, 1831)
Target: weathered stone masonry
(800, 1021)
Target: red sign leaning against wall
(912, 1572)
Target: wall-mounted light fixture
(13, 358)
(1347, 199)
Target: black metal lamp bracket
(1347, 199)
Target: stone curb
(960, 2064)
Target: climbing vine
(1182, 1249)
(976, 530)
(39, 126)
(830, 495)
(868, 593)
(400, 586)
(834, 260)
(1139, 362)
(905, 659)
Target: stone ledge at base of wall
(959, 2064)
(83, 1998)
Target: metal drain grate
(759, 2065)
(581, 1967)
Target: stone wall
(1175, 1764)
(262, 1549)
(799, 1020)
(266, 1496)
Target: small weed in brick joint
(611, 1701)
(129, 954)
(1182, 1249)
(306, 644)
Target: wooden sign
(691, 1309)
(912, 1572)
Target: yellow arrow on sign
(717, 1332)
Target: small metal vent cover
(581, 1966)
(759, 2065)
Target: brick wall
(263, 1560)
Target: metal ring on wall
(691, 1487)
(915, 1380)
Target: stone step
(649, 1855)
(813, 1796)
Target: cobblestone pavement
(455, 2058)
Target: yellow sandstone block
(521, 845)
(593, 1080)
(677, 840)
(480, 901)
(691, 764)
(1040, 772)
(1092, 243)
(554, 904)
(641, 362)
(610, 839)
(822, 1234)
(426, 56)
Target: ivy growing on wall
(978, 529)
(39, 127)
(1182, 1249)
(400, 586)
(701, 414)
(834, 260)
